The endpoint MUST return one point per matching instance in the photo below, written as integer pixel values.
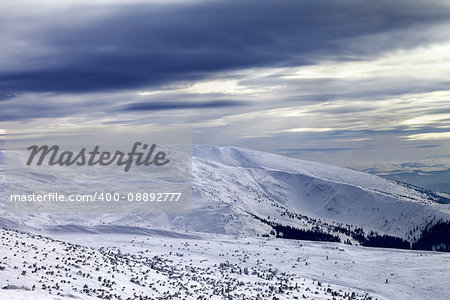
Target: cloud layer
(344, 82)
(85, 49)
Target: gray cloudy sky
(352, 83)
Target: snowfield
(235, 190)
(229, 246)
(167, 265)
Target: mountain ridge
(244, 192)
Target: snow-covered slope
(214, 252)
(160, 265)
(244, 192)
(209, 266)
(289, 190)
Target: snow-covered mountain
(240, 197)
(244, 192)
(162, 265)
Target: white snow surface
(232, 185)
(217, 250)
(168, 264)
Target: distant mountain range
(437, 181)
(431, 175)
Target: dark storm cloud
(4, 97)
(295, 151)
(148, 106)
(38, 110)
(147, 45)
(321, 90)
(428, 146)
